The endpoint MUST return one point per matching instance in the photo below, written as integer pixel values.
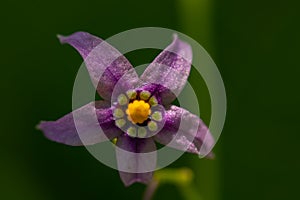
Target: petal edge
(88, 119)
(170, 69)
(105, 64)
(186, 131)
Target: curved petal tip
(175, 36)
(60, 38)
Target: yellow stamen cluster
(138, 111)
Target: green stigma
(156, 116)
(118, 113)
(131, 131)
(152, 126)
(131, 94)
(153, 101)
(122, 99)
(144, 95)
(142, 132)
(120, 123)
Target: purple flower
(136, 111)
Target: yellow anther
(138, 111)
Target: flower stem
(182, 178)
(196, 19)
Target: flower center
(138, 111)
(138, 114)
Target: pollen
(114, 141)
(138, 111)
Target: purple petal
(185, 131)
(130, 178)
(105, 64)
(136, 159)
(88, 118)
(170, 69)
(158, 91)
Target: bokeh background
(255, 45)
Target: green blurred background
(255, 45)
